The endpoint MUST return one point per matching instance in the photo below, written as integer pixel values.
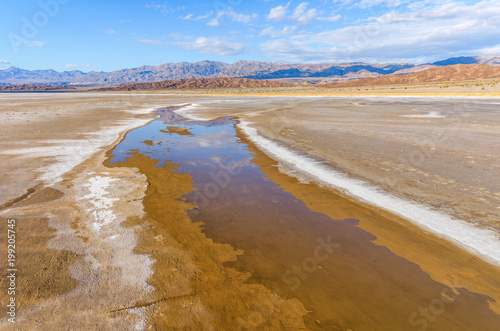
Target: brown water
(332, 266)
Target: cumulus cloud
(445, 29)
(304, 16)
(214, 45)
(278, 13)
(301, 14)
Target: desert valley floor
(197, 212)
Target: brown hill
(198, 83)
(450, 73)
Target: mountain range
(313, 73)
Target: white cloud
(163, 7)
(304, 16)
(489, 50)
(152, 42)
(330, 18)
(301, 14)
(388, 3)
(233, 16)
(214, 45)
(270, 31)
(367, 4)
(300, 10)
(214, 22)
(278, 13)
(191, 17)
(240, 18)
(289, 49)
(432, 32)
(110, 31)
(177, 36)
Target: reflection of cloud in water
(218, 122)
(432, 114)
(216, 139)
(181, 131)
(223, 164)
(192, 163)
(216, 159)
(232, 165)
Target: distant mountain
(340, 71)
(34, 87)
(15, 75)
(239, 69)
(456, 60)
(492, 60)
(457, 72)
(198, 83)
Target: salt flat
(91, 232)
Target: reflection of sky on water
(211, 145)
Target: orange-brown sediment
(193, 288)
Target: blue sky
(111, 35)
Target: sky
(107, 35)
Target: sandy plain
(73, 266)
